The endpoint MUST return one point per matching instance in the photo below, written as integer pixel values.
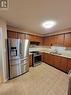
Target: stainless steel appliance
(36, 58)
(18, 57)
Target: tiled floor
(40, 80)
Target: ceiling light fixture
(48, 24)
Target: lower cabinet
(59, 62)
(63, 64)
(30, 60)
(69, 65)
(56, 61)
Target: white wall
(3, 56)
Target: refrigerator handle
(16, 52)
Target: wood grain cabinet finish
(30, 60)
(67, 40)
(35, 38)
(12, 34)
(44, 57)
(60, 39)
(48, 58)
(63, 64)
(21, 36)
(69, 65)
(45, 41)
(57, 61)
(54, 40)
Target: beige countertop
(61, 55)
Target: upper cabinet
(12, 34)
(67, 40)
(18, 35)
(54, 40)
(21, 36)
(34, 38)
(60, 39)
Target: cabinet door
(21, 36)
(69, 65)
(12, 34)
(67, 40)
(30, 60)
(50, 59)
(45, 41)
(60, 39)
(56, 61)
(35, 38)
(53, 40)
(45, 57)
(42, 57)
(63, 64)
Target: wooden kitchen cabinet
(12, 34)
(54, 40)
(63, 64)
(48, 41)
(30, 60)
(48, 58)
(21, 36)
(44, 57)
(69, 65)
(34, 38)
(56, 61)
(67, 40)
(60, 39)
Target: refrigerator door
(15, 68)
(24, 48)
(24, 66)
(14, 48)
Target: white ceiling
(29, 14)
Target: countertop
(61, 55)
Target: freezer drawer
(14, 62)
(15, 70)
(24, 66)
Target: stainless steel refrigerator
(18, 51)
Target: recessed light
(48, 24)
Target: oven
(36, 58)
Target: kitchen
(47, 57)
